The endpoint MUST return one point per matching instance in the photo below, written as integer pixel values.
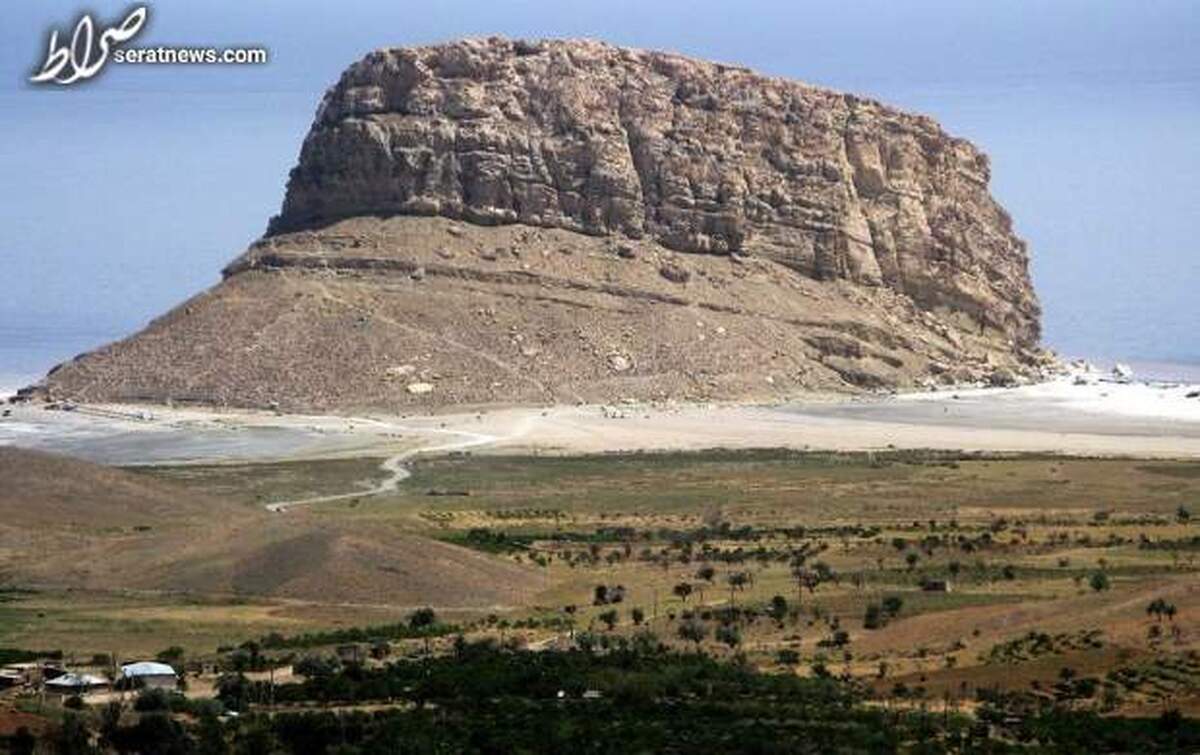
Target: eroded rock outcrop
(495, 222)
(700, 156)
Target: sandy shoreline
(1099, 418)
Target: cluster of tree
(877, 615)
(1036, 643)
(1043, 723)
(638, 666)
(640, 696)
(422, 623)
(17, 655)
(604, 595)
(1160, 608)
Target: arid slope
(67, 523)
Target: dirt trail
(394, 465)
(493, 359)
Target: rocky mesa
(497, 221)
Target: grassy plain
(1051, 562)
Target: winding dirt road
(394, 465)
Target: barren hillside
(68, 523)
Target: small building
(150, 675)
(71, 683)
(936, 585)
(18, 674)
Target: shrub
(779, 607)
(693, 631)
(874, 617)
(422, 618)
(729, 635)
(892, 604)
(151, 700)
(172, 655)
(609, 618)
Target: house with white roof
(71, 683)
(150, 675)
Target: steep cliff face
(701, 157)
(493, 221)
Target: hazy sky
(121, 197)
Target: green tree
(210, 735)
(422, 618)
(787, 657)
(683, 590)
(873, 618)
(729, 635)
(1158, 608)
(638, 616)
(779, 607)
(609, 618)
(73, 736)
(172, 655)
(892, 605)
(149, 700)
(693, 631)
(1099, 581)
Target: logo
(92, 48)
(86, 55)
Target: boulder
(674, 272)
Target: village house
(150, 675)
(72, 683)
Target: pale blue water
(1182, 372)
(29, 347)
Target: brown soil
(422, 313)
(66, 523)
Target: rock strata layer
(700, 156)
(495, 221)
